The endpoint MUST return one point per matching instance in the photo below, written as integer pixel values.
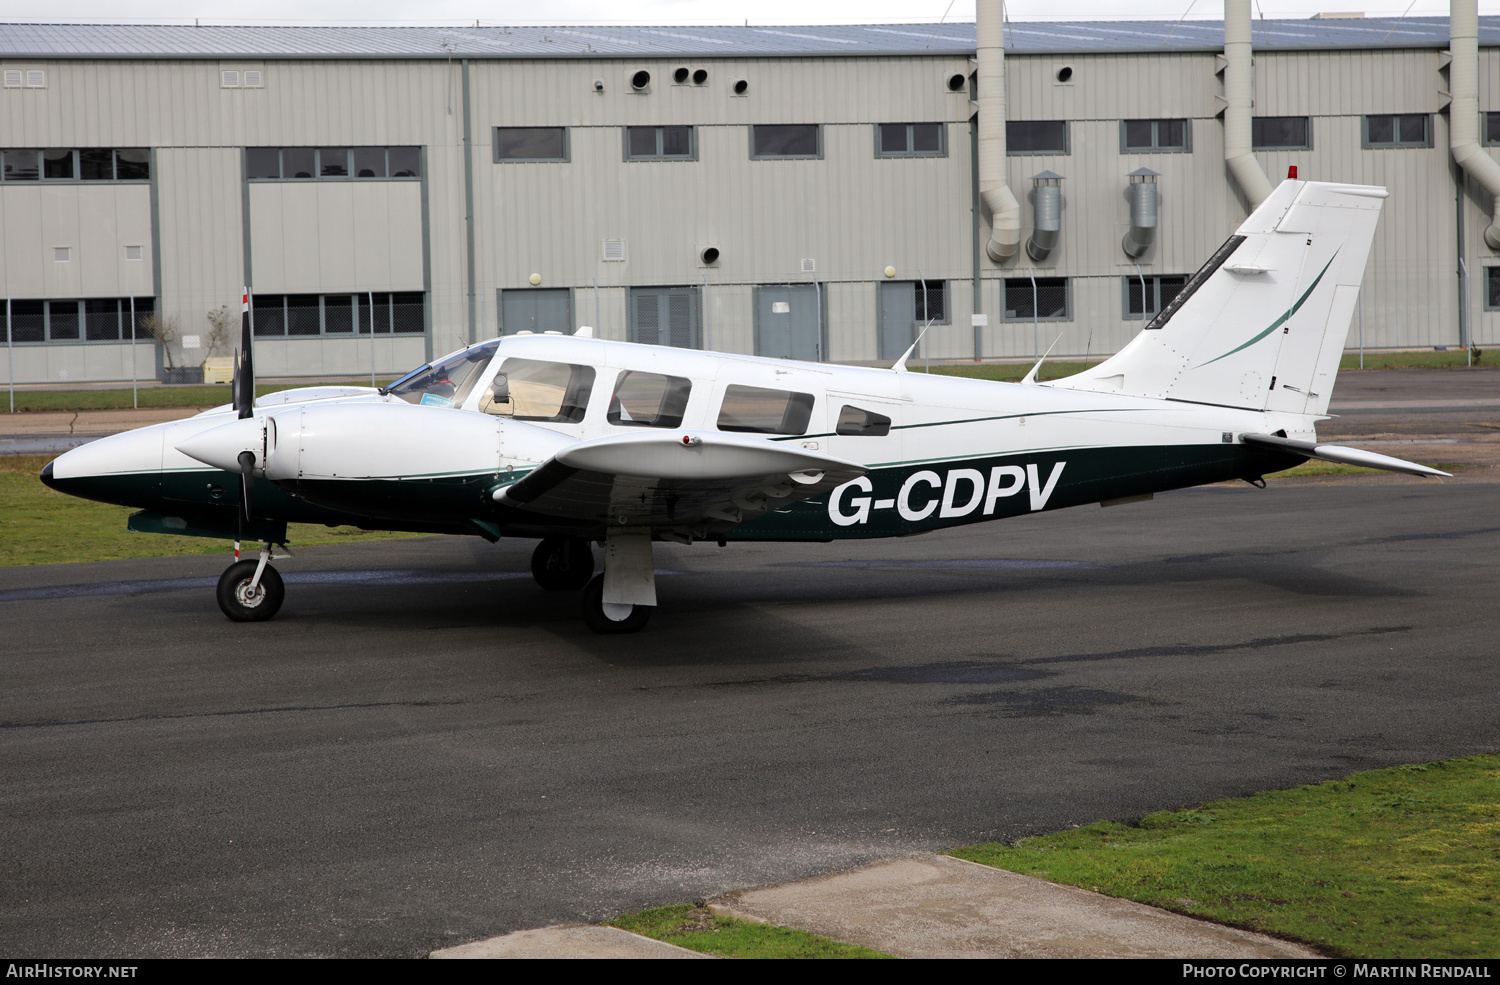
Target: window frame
(76, 156)
(1066, 316)
(1156, 147)
(1067, 141)
(317, 168)
(567, 147)
(144, 307)
(1307, 145)
(366, 318)
(911, 139)
(1397, 144)
(1153, 284)
(817, 129)
(691, 155)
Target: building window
(1036, 137)
(1148, 295)
(304, 163)
(76, 164)
(1398, 130)
(1492, 288)
(531, 144)
(910, 140)
(1281, 133)
(786, 140)
(1154, 135)
(303, 315)
(665, 316)
(1044, 300)
(1492, 128)
(660, 144)
(88, 320)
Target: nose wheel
(562, 564)
(250, 591)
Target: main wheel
(239, 602)
(562, 564)
(613, 618)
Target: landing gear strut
(252, 590)
(610, 618)
(562, 564)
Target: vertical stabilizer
(1262, 325)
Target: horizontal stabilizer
(1342, 455)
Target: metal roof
(186, 41)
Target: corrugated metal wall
(852, 213)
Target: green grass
(1394, 863)
(153, 396)
(698, 930)
(42, 526)
(1453, 357)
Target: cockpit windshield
(445, 383)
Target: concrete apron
(936, 906)
(569, 942)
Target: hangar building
(391, 194)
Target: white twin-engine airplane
(575, 440)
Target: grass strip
(1394, 863)
(43, 526)
(696, 929)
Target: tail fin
(1263, 323)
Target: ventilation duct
(1238, 95)
(1005, 211)
(1142, 213)
(1046, 209)
(1463, 117)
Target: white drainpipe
(1238, 93)
(1005, 211)
(1463, 117)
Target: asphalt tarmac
(425, 749)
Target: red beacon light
(1291, 172)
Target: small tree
(165, 331)
(220, 323)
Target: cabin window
(649, 400)
(446, 383)
(859, 423)
(532, 390)
(760, 411)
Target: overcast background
(758, 12)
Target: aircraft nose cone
(221, 446)
(47, 479)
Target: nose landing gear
(252, 590)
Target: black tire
(562, 564)
(593, 612)
(234, 597)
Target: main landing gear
(566, 564)
(562, 564)
(252, 590)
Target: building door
(789, 322)
(896, 308)
(530, 310)
(666, 316)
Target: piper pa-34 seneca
(577, 441)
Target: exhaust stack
(1463, 117)
(1005, 211)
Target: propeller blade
(244, 376)
(247, 482)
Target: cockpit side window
(532, 390)
(757, 410)
(857, 422)
(649, 400)
(446, 383)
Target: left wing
(684, 485)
